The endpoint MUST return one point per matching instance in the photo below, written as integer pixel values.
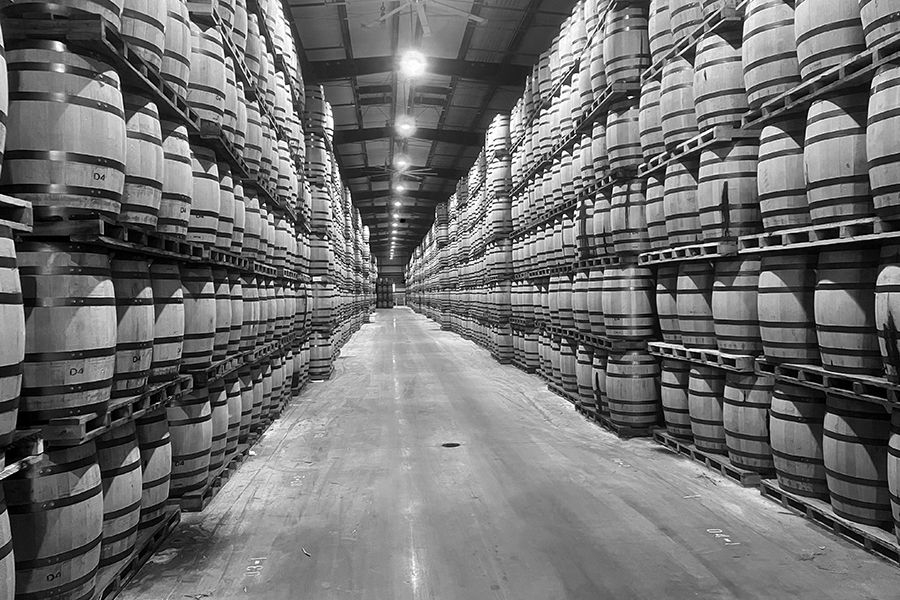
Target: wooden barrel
(595, 302)
(887, 311)
(880, 21)
(601, 224)
(580, 302)
(206, 87)
(268, 314)
(882, 148)
(70, 330)
(225, 222)
(204, 218)
(253, 137)
(235, 413)
(719, 94)
(266, 406)
(893, 470)
(218, 404)
(845, 312)
(236, 298)
(177, 185)
(599, 151)
(120, 469)
(632, 388)
(727, 191)
(240, 219)
(584, 369)
(111, 10)
(245, 375)
(655, 214)
(855, 446)
(61, 170)
(623, 136)
(786, 308)
(828, 32)
(676, 102)
(769, 51)
(252, 225)
(568, 348)
(837, 176)
(564, 303)
(745, 414)
(255, 45)
(7, 560)
(735, 306)
(169, 326)
(143, 27)
(156, 466)
(667, 303)
(628, 312)
(229, 107)
(781, 180)
(222, 291)
(320, 349)
(706, 393)
(251, 313)
(56, 516)
(555, 357)
(598, 381)
(135, 317)
(659, 30)
(684, 17)
(199, 316)
(680, 203)
(796, 420)
(144, 163)
(626, 45)
(695, 314)
(628, 218)
(12, 351)
(674, 391)
(649, 120)
(190, 431)
(176, 61)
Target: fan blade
(385, 16)
(423, 18)
(461, 12)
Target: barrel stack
(185, 325)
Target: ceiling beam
(450, 136)
(363, 195)
(439, 172)
(330, 70)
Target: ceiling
(474, 71)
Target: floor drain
(450, 445)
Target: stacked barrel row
(90, 330)
(460, 274)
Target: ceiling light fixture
(412, 64)
(405, 126)
(398, 204)
(401, 162)
(399, 188)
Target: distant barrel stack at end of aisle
(688, 227)
(188, 258)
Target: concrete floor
(351, 495)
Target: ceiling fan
(417, 6)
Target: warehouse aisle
(352, 495)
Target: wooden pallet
(26, 449)
(79, 429)
(872, 539)
(623, 431)
(718, 135)
(856, 231)
(866, 388)
(16, 214)
(856, 71)
(716, 462)
(702, 251)
(198, 500)
(711, 358)
(574, 399)
(96, 34)
(612, 260)
(110, 583)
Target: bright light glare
(398, 204)
(405, 126)
(412, 64)
(400, 188)
(401, 162)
